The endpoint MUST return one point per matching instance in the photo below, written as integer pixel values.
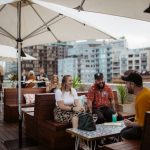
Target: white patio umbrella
(9, 54)
(124, 8)
(44, 23)
(30, 22)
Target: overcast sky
(136, 32)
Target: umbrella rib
(50, 24)
(80, 7)
(8, 34)
(40, 32)
(44, 23)
(37, 13)
(2, 7)
(57, 21)
(53, 34)
(37, 30)
(37, 33)
(5, 33)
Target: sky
(136, 32)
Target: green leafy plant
(13, 77)
(122, 93)
(76, 82)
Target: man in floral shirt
(101, 99)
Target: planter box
(129, 108)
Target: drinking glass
(95, 117)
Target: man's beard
(101, 86)
(130, 91)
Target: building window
(130, 56)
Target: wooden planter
(129, 108)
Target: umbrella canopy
(43, 22)
(126, 8)
(9, 54)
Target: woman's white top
(67, 97)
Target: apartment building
(96, 56)
(134, 59)
(47, 56)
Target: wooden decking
(9, 131)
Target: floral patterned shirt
(100, 98)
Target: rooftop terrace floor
(9, 132)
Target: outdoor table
(102, 130)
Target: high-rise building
(47, 56)
(97, 56)
(68, 66)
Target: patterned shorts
(64, 116)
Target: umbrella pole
(19, 95)
(19, 47)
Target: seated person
(23, 78)
(100, 100)
(134, 84)
(42, 78)
(31, 79)
(67, 104)
(53, 85)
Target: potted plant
(125, 105)
(122, 93)
(13, 77)
(76, 82)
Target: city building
(84, 59)
(68, 66)
(135, 59)
(96, 56)
(47, 56)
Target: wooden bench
(41, 126)
(144, 144)
(11, 101)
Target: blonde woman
(31, 78)
(67, 104)
(53, 85)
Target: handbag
(86, 122)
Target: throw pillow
(30, 98)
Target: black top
(42, 83)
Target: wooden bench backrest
(44, 105)
(145, 145)
(11, 94)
